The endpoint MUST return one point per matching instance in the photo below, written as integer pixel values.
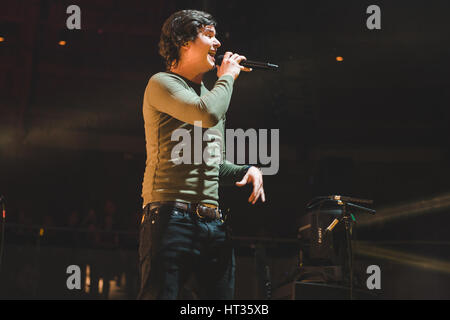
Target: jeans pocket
(146, 232)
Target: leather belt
(201, 210)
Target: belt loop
(196, 211)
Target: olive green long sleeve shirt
(171, 107)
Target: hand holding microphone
(230, 64)
(247, 65)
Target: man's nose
(217, 44)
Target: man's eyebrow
(210, 30)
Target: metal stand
(348, 223)
(263, 271)
(348, 218)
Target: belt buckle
(208, 206)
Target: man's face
(202, 50)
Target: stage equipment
(326, 247)
(318, 250)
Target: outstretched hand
(254, 175)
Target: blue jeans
(174, 245)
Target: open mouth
(212, 54)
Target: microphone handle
(345, 198)
(258, 65)
(252, 64)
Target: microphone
(345, 198)
(252, 64)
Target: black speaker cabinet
(321, 248)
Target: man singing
(182, 230)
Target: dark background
(373, 126)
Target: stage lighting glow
(397, 256)
(426, 206)
(2, 39)
(87, 285)
(62, 43)
(339, 59)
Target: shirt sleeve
(170, 94)
(229, 173)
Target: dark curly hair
(179, 28)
